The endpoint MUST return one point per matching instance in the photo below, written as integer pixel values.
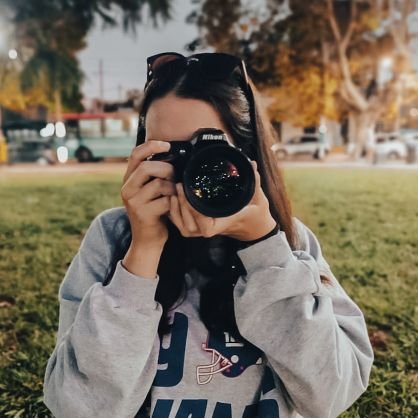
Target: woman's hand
(147, 187)
(250, 223)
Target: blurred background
(339, 81)
(338, 77)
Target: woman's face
(173, 118)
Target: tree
(54, 31)
(61, 70)
(385, 23)
(318, 58)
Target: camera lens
(219, 181)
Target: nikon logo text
(212, 136)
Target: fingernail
(164, 145)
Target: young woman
(166, 312)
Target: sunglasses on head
(212, 66)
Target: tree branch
(350, 89)
(351, 25)
(399, 30)
(333, 21)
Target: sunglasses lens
(163, 60)
(218, 66)
(159, 61)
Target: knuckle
(167, 201)
(158, 183)
(207, 233)
(144, 166)
(137, 152)
(123, 193)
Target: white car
(390, 146)
(308, 144)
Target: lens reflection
(216, 181)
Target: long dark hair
(254, 135)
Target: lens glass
(216, 182)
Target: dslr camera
(218, 178)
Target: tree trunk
(57, 106)
(361, 134)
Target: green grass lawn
(366, 221)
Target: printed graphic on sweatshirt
(227, 356)
(197, 408)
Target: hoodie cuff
(300, 274)
(133, 290)
(271, 251)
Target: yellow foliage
(12, 97)
(307, 94)
(10, 92)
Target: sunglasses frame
(239, 63)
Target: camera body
(218, 178)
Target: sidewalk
(343, 161)
(113, 167)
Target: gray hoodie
(308, 353)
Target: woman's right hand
(146, 190)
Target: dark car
(26, 144)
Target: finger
(142, 175)
(143, 151)
(175, 215)
(258, 191)
(153, 209)
(256, 175)
(157, 188)
(176, 218)
(186, 214)
(160, 206)
(205, 224)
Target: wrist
(255, 232)
(143, 260)
(272, 232)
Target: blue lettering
(162, 408)
(268, 381)
(266, 408)
(192, 408)
(222, 410)
(250, 411)
(171, 359)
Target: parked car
(309, 144)
(390, 146)
(409, 134)
(26, 144)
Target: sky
(124, 55)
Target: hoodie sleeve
(107, 347)
(313, 335)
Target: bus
(95, 136)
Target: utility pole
(101, 94)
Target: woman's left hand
(250, 223)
